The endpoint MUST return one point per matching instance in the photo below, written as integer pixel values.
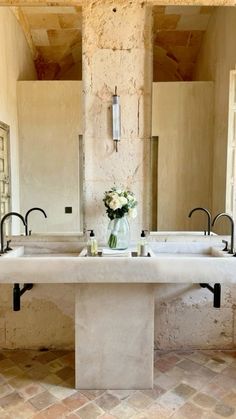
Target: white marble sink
(185, 250)
(51, 255)
(173, 262)
(180, 233)
(19, 251)
(15, 252)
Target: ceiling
(54, 35)
(178, 34)
(55, 38)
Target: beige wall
(50, 122)
(217, 57)
(182, 118)
(15, 64)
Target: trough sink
(181, 233)
(186, 249)
(19, 251)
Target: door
(5, 196)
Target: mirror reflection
(192, 156)
(41, 117)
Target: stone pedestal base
(114, 336)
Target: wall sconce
(116, 120)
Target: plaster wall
(15, 64)
(50, 122)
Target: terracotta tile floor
(188, 385)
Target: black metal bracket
(17, 293)
(216, 290)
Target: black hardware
(226, 246)
(224, 214)
(208, 218)
(2, 224)
(27, 215)
(135, 255)
(216, 290)
(17, 293)
(8, 248)
(68, 210)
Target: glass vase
(118, 235)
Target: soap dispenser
(142, 245)
(92, 246)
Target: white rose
(132, 213)
(130, 198)
(123, 200)
(115, 204)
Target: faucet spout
(9, 214)
(208, 217)
(27, 215)
(224, 214)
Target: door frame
(6, 128)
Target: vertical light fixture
(116, 120)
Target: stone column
(114, 336)
(117, 51)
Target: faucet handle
(226, 245)
(8, 248)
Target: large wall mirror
(41, 103)
(194, 54)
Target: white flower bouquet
(119, 203)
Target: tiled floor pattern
(188, 385)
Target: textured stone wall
(117, 51)
(149, 2)
(185, 317)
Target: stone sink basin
(171, 262)
(20, 252)
(185, 250)
(181, 233)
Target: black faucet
(26, 217)
(224, 214)
(208, 216)
(9, 214)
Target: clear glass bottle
(92, 246)
(142, 245)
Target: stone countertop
(67, 269)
